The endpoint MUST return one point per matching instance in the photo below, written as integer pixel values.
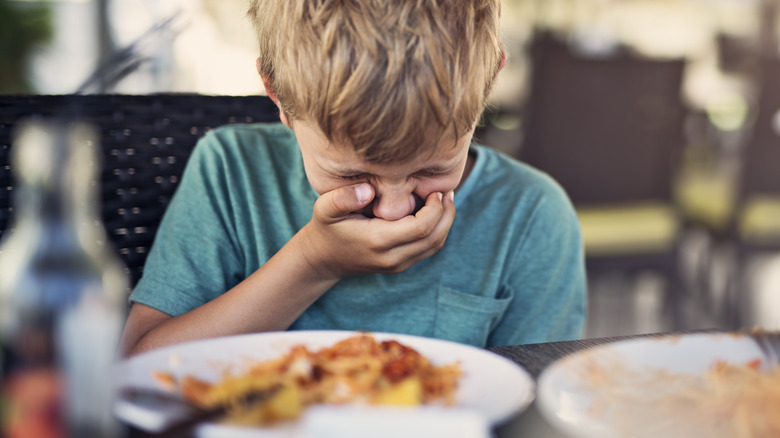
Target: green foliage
(23, 27)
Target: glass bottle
(62, 291)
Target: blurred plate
(492, 387)
(644, 387)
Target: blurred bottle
(62, 291)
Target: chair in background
(609, 129)
(758, 221)
(755, 228)
(145, 141)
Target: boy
(343, 216)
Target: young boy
(343, 216)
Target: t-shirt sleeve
(195, 255)
(547, 277)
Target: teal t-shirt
(511, 270)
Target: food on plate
(358, 369)
(747, 394)
(727, 400)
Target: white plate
(492, 386)
(632, 388)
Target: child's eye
(351, 177)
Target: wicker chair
(610, 130)
(146, 142)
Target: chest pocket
(465, 318)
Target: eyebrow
(438, 169)
(432, 169)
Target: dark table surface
(536, 357)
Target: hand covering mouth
(368, 210)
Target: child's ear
(271, 92)
(501, 61)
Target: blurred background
(659, 118)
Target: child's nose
(392, 205)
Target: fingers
(436, 219)
(438, 213)
(375, 244)
(344, 201)
(417, 237)
(434, 223)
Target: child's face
(400, 189)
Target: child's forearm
(270, 299)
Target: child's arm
(334, 244)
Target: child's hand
(338, 241)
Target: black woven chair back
(609, 129)
(145, 142)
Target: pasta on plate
(358, 369)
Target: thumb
(345, 200)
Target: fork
(769, 343)
(166, 415)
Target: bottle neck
(55, 193)
(44, 209)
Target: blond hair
(388, 77)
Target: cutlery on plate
(166, 414)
